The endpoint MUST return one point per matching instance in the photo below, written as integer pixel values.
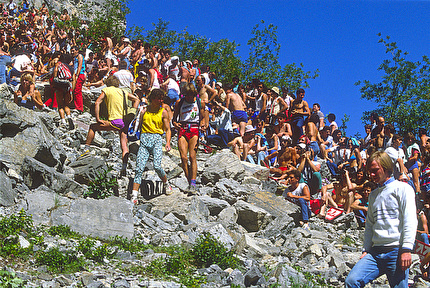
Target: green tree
(402, 95)
(109, 17)
(264, 48)
(294, 77)
(162, 36)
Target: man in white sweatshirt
(390, 230)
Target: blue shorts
(239, 116)
(413, 166)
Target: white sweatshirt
(391, 216)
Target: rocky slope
(43, 173)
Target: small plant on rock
(87, 247)
(11, 227)
(63, 231)
(9, 280)
(102, 186)
(208, 251)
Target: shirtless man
(184, 73)
(287, 160)
(206, 93)
(235, 104)
(298, 110)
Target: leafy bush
(132, 245)
(60, 261)
(86, 246)
(9, 280)
(102, 186)
(10, 228)
(63, 231)
(208, 251)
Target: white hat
(249, 128)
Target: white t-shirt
(22, 62)
(394, 155)
(297, 192)
(125, 78)
(172, 84)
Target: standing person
(298, 110)
(62, 88)
(154, 122)
(114, 97)
(390, 230)
(189, 116)
(235, 104)
(78, 78)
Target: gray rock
(236, 278)
(7, 194)
(252, 276)
(24, 134)
(224, 164)
(121, 284)
(230, 191)
(214, 205)
(251, 217)
(87, 167)
(36, 174)
(257, 171)
(252, 247)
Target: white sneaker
(169, 189)
(134, 195)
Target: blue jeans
(297, 128)
(3, 60)
(376, 263)
(306, 212)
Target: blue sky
(337, 37)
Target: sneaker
(192, 190)
(134, 197)
(306, 226)
(168, 188)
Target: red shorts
(284, 168)
(189, 133)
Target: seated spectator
(398, 157)
(310, 170)
(224, 129)
(332, 124)
(283, 128)
(316, 109)
(27, 95)
(299, 194)
(360, 204)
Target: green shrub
(208, 251)
(9, 280)
(10, 228)
(63, 231)
(132, 245)
(102, 186)
(60, 261)
(87, 247)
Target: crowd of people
(268, 126)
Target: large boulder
(223, 164)
(23, 133)
(97, 218)
(35, 174)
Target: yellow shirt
(153, 122)
(114, 102)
